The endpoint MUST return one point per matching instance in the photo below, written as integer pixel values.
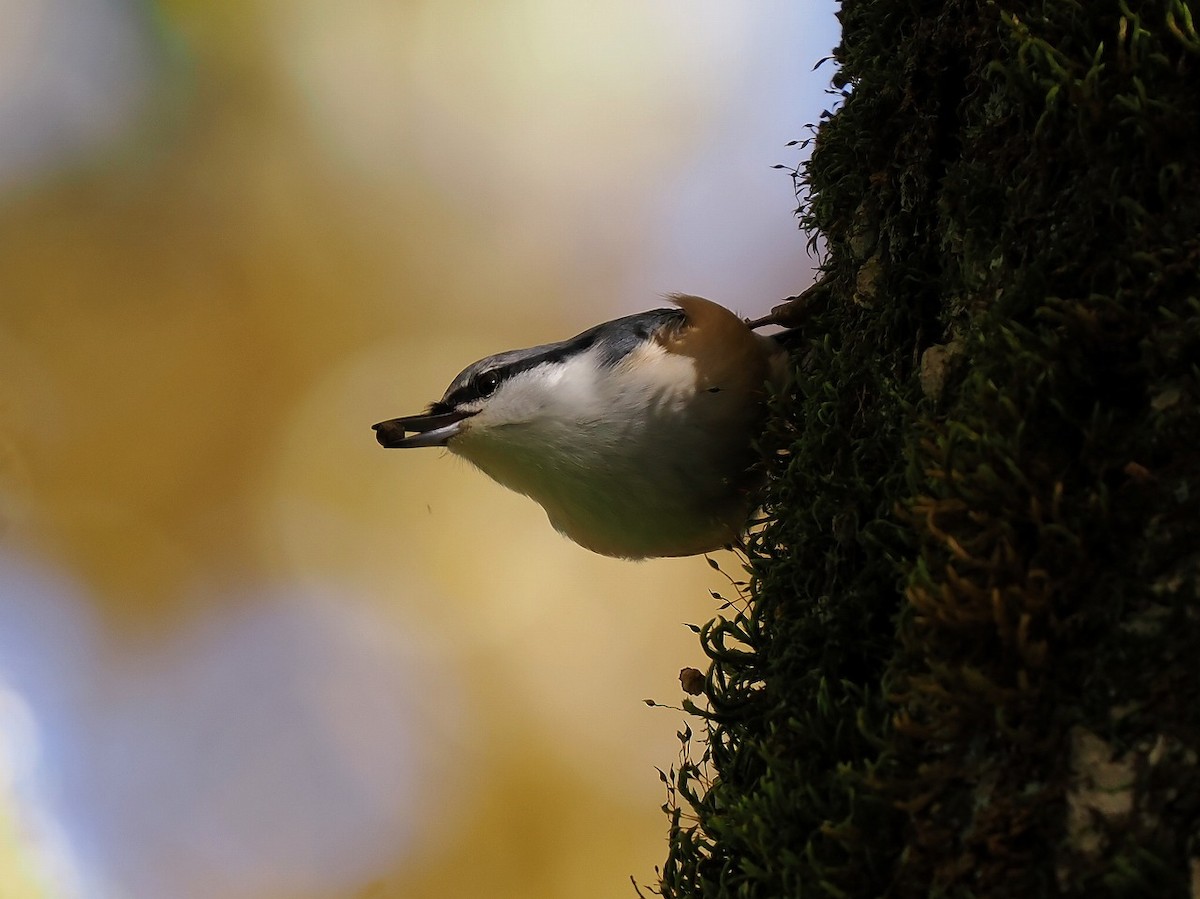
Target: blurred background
(245, 652)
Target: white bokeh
(74, 77)
(297, 743)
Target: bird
(635, 436)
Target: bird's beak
(429, 429)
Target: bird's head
(539, 385)
(486, 388)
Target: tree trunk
(971, 661)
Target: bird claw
(793, 311)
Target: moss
(955, 584)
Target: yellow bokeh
(260, 655)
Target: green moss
(955, 585)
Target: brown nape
(728, 355)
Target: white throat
(617, 456)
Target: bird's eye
(487, 382)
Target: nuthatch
(634, 436)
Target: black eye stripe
(482, 379)
(479, 387)
(486, 382)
